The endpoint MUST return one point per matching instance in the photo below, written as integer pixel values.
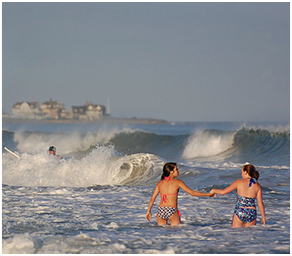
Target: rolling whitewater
(95, 199)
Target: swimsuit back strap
(164, 197)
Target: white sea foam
(102, 166)
(19, 244)
(65, 143)
(202, 144)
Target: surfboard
(11, 152)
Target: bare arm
(151, 202)
(227, 190)
(185, 188)
(261, 205)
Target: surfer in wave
(52, 151)
(168, 188)
(248, 189)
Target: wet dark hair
(251, 170)
(167, 168)
(52, 148)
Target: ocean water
(95, 199)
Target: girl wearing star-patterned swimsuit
(248, 189)
(168, 188)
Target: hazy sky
(173, 61)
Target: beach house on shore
(52, 109)
(27, 110)
(88, 111)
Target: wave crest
(207, 143)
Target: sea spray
(207, 143)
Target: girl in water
(168, 188)
(245, 213)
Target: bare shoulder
(179, 181)
(159, 183)
(259, 186)
(239, 181)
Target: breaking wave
(131, 157)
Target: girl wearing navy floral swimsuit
(248, 189)
(168, 188)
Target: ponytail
(167, 168)
(256, 175)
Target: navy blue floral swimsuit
(243, 213)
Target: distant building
(27, 110)
(53, 109)
(88, 111)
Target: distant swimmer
(168, 188)
(52, 151)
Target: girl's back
(168, 190)
(244, 188)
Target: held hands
(212, 194)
